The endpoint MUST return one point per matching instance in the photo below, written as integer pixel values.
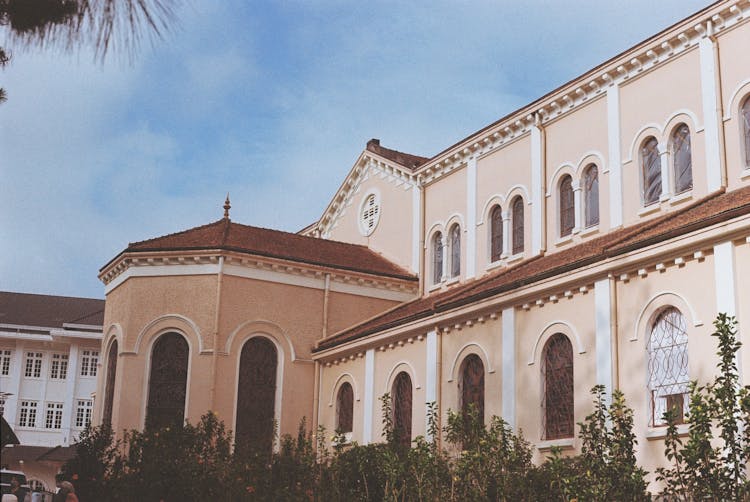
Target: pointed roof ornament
(227, 206)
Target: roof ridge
(191, 229)
(52, 296)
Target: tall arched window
(455, 246)
(472, 385)
(256, 396)
(437, 258)
(109, 385)
(167, 384)
(496, 233)
(668, 381)
(401, 393)
(557, 378)
(567, 206)
(517, 220)
(650, 171)
(345, 408)
(591, 195)
(682, 161)
(745, 118)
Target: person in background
(70, 492)
(17, 490)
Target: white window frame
(84, 409)
(58, 368)
(6, 356)
(368, 216)
(53, 415)
(33, 364)
(27, 414)
(89, 363)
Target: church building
(590, 237)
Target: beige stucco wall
(393, 235)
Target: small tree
(711, 466)
(92, 465)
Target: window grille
(437, 258)
(557, 378)
(33, 365)
(455, 251)
(5, 363)
(591, 195)
(27, 415)
(401, 391)
(345, 409)
(682, 159)
(370, 213)
(567, 207)
(59, 367)
(256, 401)
(745, 119)
(109, 386)
(517, 218)
(472, 385)
(650, 171)
(496, 233)
(83, 412)
(2, 407)
(167, 383)
(89, 361)
(668, 381)
(54, 416)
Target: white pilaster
(615, 158)
(726, 298)
(506, 233)
(471, 217)
(602, 299)
(14, 386)
(431, 374)
(416, 217)
(666, 179)
(69, 404)
(709, 96)
(509, 366)
(444, 243)
(578, 209)
(369, 395)
(536, 190)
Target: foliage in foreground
(474, 461)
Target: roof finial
(227, 205)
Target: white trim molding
(615, 157)
(509, 366)
(369, 396)
(603, 313)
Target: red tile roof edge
(407, 160)
(617, 245)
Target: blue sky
(272, 102)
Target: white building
(49, 361)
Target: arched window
(745, 118)
(455, 245)
(472, 385)
(567, 206)
(437, 258)
(167, 384)
(668, 381)
(496, 233)
(517, 219)
(557, 378)
(256, 396)
(345, 408)
(682, 159)
(591, 195)
(650, 171)
(401, 393)
(109, 385)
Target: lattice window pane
(33, 365)
(496, 233)
(256, 400)
(437, 258)
(517, 225)
(370, 213)
(83, 412)
(59, 367)
(668, 380)
(27, 415)
(591, 195)
(168, 382)
(567, 206)
(2, 407)
(402, 407)
(345, 408)
(557, 378)
(455, 251)
(54, 416)
(472, 385)
(682, 159)
(651, 171)
(109, 386)
(5, 363)
(745, 119)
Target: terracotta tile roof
(49, 311)
(404, 159)
(227, 235)
(715, 208)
